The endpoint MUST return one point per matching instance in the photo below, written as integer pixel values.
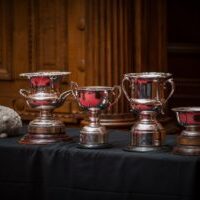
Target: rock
(3, 135)
(10, 122)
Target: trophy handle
(24, 93)
(74, 88)
(116, 95)
(124, 89)
(64, 95)
(171, 82)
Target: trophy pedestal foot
(188, 142)
(141, 149)
(146, 149)
(45, 131)
(44, 138)
(94, 146)
(187, 150)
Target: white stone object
(10, 122)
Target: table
(63, 171)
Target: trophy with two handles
(147, 97)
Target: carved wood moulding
(182, 48)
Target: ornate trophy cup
(44, 95)
(188, 142)
(94, 99)
(147, 98)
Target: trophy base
(146, 149)
(188, 143)
(94, 137)
(187, 150)
(43, 138)
(147, 134)
(94, 146)
(45, 131)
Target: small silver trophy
(44, 95)
(188, 142)
(147, 98)
(94, 99)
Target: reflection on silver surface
(188, 142)
(93, 99)
(44, 95)
(147, 95)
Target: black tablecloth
(63, 171)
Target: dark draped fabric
(63, 171)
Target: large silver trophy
(147, 96)
(188, 142)
(44, 95)
(94, 99)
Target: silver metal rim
(95, 88)
(186, 109)
(53, 73)
(150, 75)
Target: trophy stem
(46, 114)
(147, 116)
(94, 118)
(147, 134)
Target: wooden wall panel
(6, 39)
(184, 51)
(97, 40)
(48, 34)
(76, 44)
(150, 36)
(108, 44)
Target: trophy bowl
(188, 142)
(94, 99)
(44, 95)
(147, 97)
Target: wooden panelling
(76, 44)
(47, 35)
(97, 40)
(6, 39)
(108, 46)
(184, 50)
(187, 92)
(150, 35)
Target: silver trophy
(44, 95)
(94, 99)
(147, 97)
(188, 142)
